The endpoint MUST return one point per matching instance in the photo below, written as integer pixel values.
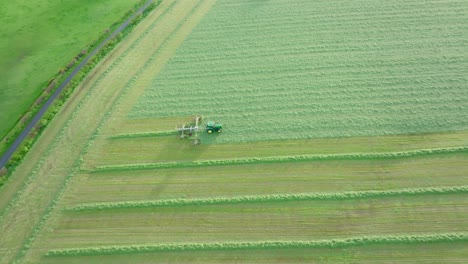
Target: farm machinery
(212, 126)
(192, 129)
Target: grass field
(38, 39)
(399, 70)
(359, 153)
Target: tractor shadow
(175, 149)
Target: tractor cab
(214, 127)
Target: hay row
(270, 198)
(332, 243)
(143, 134)
(280, 159)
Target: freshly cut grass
(293, 220)
(271, 198)
(374, 69)
(319, 69)
(171, 148)
(445, 252)
(144, 134)
(334, 243)
(278, 159)
(271, 178)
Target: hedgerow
(70, 87)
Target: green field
(367, 68)
(344, 141)
(38, 39)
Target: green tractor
(214, 127)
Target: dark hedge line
(16, 159)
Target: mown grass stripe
(332, 243)
(270, 198)
(280, 159)
(143, 134)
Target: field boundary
(281, 159)
(101, 47)
(332, 243)
(59, 77)
(56, 140)
(72, 117)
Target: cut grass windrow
(333, 243)
(143, 134)
(270, 198)
(278, 159)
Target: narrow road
(7, 155)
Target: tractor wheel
(220, 131)
(209, 131)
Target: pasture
(344, 141)
(38, 39)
